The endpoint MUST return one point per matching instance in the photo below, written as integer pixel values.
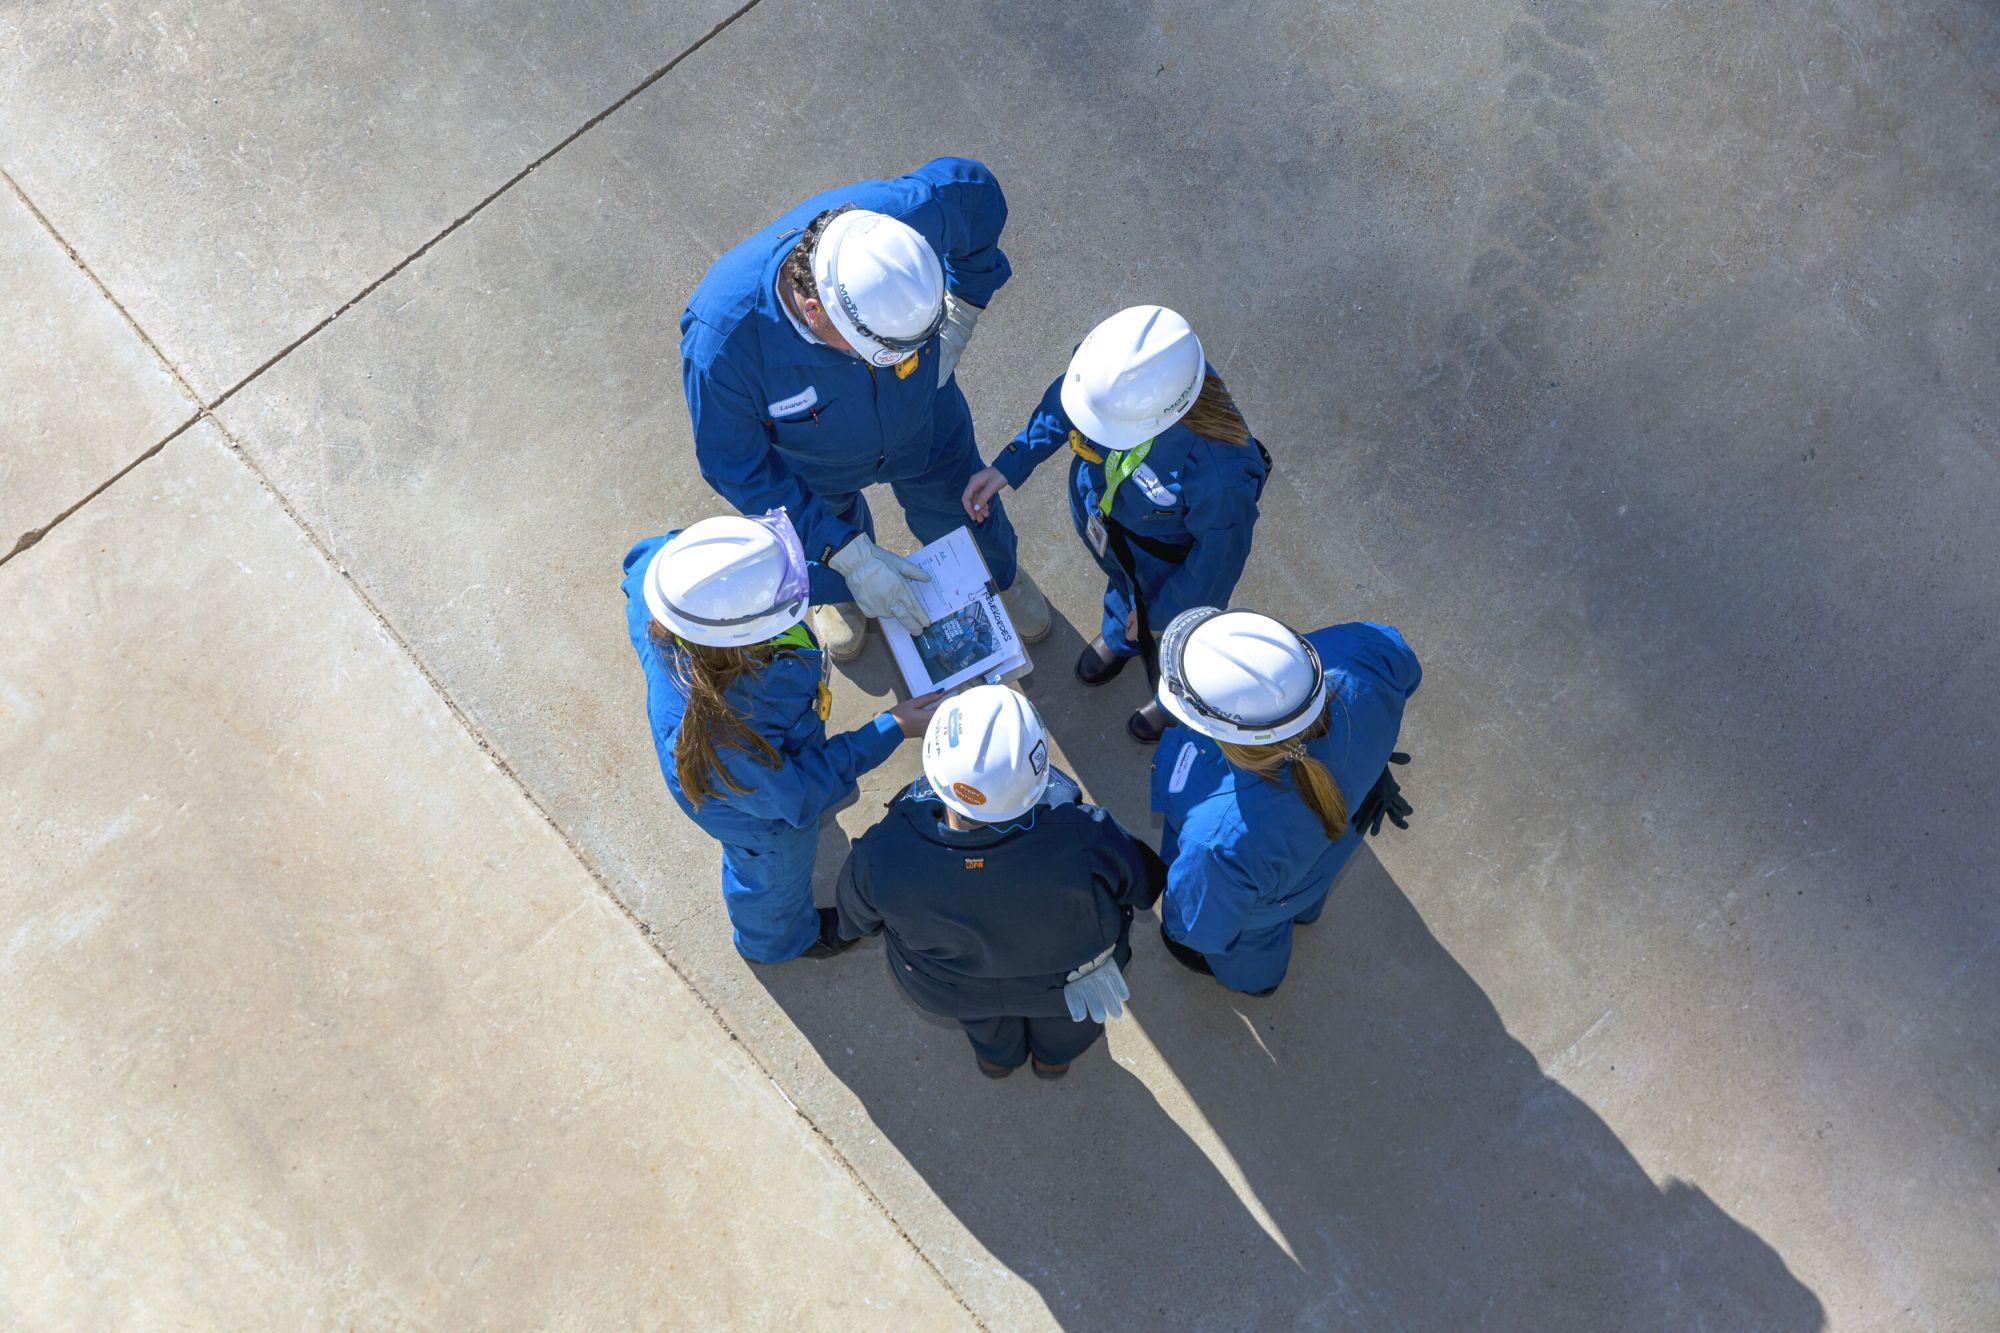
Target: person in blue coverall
(1278, 737)
(737, 702)
(1006, 900)
(818, 357)
(1164, 481)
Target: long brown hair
(708, 723)
(1214, 415)
(1310, 778)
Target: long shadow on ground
(1370, 1147)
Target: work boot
(1048, 1071)
(841, 630)
(829, 942)
(1097, 663)
(992, 1070)
(1188, 958)
(1146, 724)
(1027, 608)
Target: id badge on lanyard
(1096, 533)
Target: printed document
(970, 636)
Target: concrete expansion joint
(480, 207)
(34, 535)
(206, 411)
(653, 940)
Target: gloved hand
(959, 317)
(1385, 798)
(877, 579)
(1096, 989)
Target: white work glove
(1097, 988)
(959, 317)
(876, 578)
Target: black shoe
(1146, 725)
(1097, 663)
(992, 1070)
(1050, 1072)
(829, 942)
(1186, 957)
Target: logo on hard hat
(968, 793)
(1038, 758)
(951, 724)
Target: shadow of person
(1369, 1148)
(1421, 1166)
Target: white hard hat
(987, 754)
(1238, 676)
(1136, 374)
(881, 285)
(729, 581)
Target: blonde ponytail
(1310, 778)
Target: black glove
(1384, 800)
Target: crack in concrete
(205, 411)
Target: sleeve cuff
(884, 735)
(1014, 463)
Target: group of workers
(818, 358)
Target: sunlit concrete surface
(1637, 359)
(312, 1020)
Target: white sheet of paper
(970, 636)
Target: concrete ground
(1638, 359)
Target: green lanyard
(798, 636)
(1119, 467)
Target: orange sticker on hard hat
(968, 793)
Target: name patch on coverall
(1182, 763)
(798, 402)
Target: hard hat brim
(875, 352)
(1110, 434)
(741, 635)
(1174, 643)
(987, 814)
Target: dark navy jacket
(777, 419)
(987, 923)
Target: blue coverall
(1193, 501)
(769, 831)
(983, 924)
(1245, 857)
(781, 420)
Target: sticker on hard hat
(951, 725)
(1038, 758)
(968, 793)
